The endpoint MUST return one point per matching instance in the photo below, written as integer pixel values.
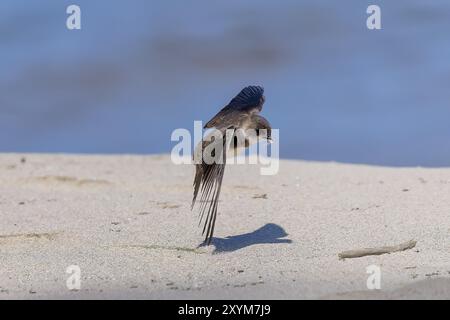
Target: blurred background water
(139, 69)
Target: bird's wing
(208, 180)
(250, 100)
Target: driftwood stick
(377, 251)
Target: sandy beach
(126, 222)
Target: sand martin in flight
(241, 118)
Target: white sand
(126, 221)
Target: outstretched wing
(249, 100)
(208, 180)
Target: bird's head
(263, 129)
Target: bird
(239, 115)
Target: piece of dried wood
(377, 251)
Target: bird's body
(239, 120)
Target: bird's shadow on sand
(267, 234)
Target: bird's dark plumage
(240, 113)
(249, 100)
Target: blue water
(139, 69)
